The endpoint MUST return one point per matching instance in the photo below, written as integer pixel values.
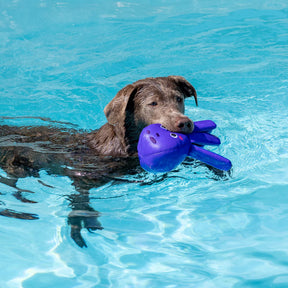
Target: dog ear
(186, 88)
(115, 110)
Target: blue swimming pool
(65, 60)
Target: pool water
(65, 60)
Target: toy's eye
(173, 135)
(154, 103)
(179, 99)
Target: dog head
(151, 100)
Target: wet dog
(91, 159)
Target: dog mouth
(186, 127)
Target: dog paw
(92, 224)
(79, 219)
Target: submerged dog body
(91, 158)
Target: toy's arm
(204, 126)
(210, 158)
(203, 138)
(200, 137)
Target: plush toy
(161, 150)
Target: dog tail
(18, 215)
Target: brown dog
(24, 151)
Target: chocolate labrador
(92, 159)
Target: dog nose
(185, 125)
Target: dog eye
(179, 99)
(153, 103)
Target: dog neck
(111, 140)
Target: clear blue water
(67, 59)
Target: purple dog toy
(161, 150)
